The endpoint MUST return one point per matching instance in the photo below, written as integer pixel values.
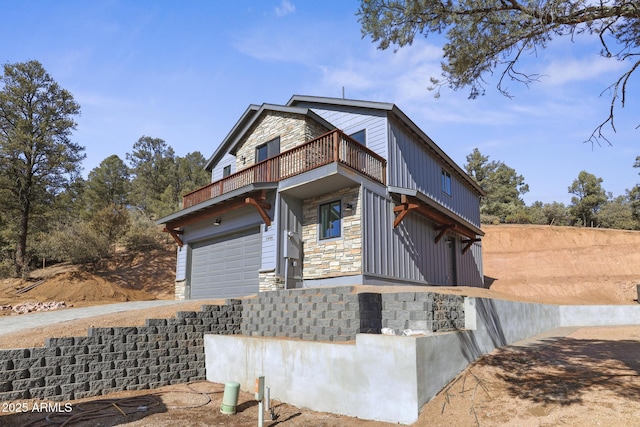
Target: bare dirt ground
(562, 265)
(589, 377)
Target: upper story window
(446, 182)
(226, 171)
(360, 136)
(330, 220)
(268, 149)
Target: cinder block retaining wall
(170, 351)
(338, 314)
(165, 351)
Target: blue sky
(185, 72)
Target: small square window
(226, 171)
(330, 220)
(360, 136)
(446, 182)
(268, 150)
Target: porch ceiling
(325, 179)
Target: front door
(452, 278)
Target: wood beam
(408, 204)
(403, 210)
(256, 199)
(206, 214)
(175, 235)
(468, 244)
(262, 208)
(400, 217)
(443, 230)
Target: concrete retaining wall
(389, 378)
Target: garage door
(226, 267)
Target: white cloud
(285, 8)
(401, 77)
(567, 71)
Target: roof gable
(395, 112)
(230, 143)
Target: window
(446, 182)
(330, 220)
(226, 171)
(360, 136)
(267, 150)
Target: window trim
(446, 182)
(226, 171)
(330, 205)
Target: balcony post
(336, 146)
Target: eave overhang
(408, 200)
(250, 195)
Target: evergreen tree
(588, 199)
(154, 170)
(37, 157)
(487, 37)
(108, 185)
(502, 184)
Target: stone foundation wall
(181, 290)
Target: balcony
(331, 147)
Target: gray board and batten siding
(351, 120)
(411, 165)
(413, 160)
(408, 252)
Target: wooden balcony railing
(331, 147)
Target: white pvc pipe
(267, 398)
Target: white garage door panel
(226, 267)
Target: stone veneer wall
(268, 281)
(333, 257)
(171, 351)
(293, 130)
(180, 292)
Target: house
(322, 192)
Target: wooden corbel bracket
(175, 233)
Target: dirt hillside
(146, 276)
(564, 265)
